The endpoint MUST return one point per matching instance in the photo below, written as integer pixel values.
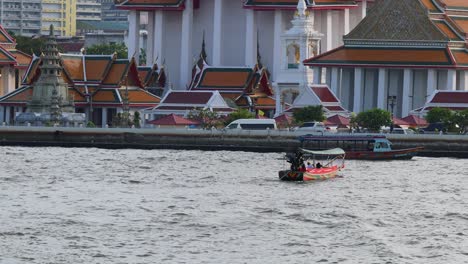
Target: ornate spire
(301, 9)
(259, 57)
(203, 51)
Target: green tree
(374, 119)
(136, 119)
(107, 49)
(439, 114)
(205, 116)
(240, 113)
(309, 113)
(460, 121)
(28, 44)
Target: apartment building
(61, 14)
(110, 13)
(23, 17)
(88, 10)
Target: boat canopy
(335, 151)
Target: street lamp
(391, 100)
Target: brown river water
(79, 205)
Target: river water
(66, 205)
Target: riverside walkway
(211, 139)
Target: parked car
(433, 128)
(313, 126)
(399, 130)
(252, 124)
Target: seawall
(170, 138)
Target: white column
(250, 37)
(357, 104)
(7, 115)
(363, 8)
(334, 80)
(405, 97)
(150, 39)
(278, 100)
(381, 92)
(217, 32)
(133, 34)
(317, 76)
(329, 39)
(451, 80)
(158, 35)
(8, 79)
(346, 21)
(464, 80)
(104, 117)
(431, 81)
(186, 46)
(279, 54)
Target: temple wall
(347, 88)
(233, 34)
(369, 100)
(419, 90)
(172, 47)
(395, 88)
(442, 79)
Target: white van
(252, 124)
(312, 127)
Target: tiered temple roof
(254, 4)
(246, 87)
(319, 94)
(9, 55)
(415, 34)
(103, 80)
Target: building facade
(109, 12)
(88, 10)
(23, 17)
(232, 30)
(61, 14)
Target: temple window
(293, 54)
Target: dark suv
(433, 128)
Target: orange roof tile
(6, 57)
(97, 67)
(151, 4)
(429, 4)
(77, 97)
(225, 78)
(140, 96)
(116, 73)
(461, 56)
(22, 95)
(383, 56)
(291, 4)
(462, 23)
(457, 4)
(444, 27)
(22, 58)
(106, 95)
(73, 65)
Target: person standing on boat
(309, 165)
(318, 165)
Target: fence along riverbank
(180, 138)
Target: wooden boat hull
(309, 175)
(400, 154)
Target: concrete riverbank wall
(170, 138)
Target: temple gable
(399, 20)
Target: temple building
(13, 63)
(232, 30)
(98, 86)
(400, 56)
